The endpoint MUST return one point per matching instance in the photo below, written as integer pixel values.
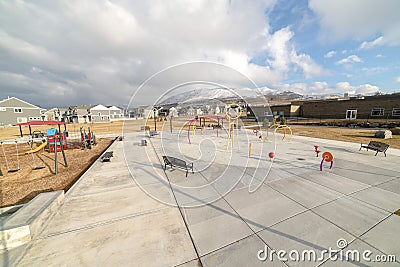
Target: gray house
(77, 114)
(54, 114)
(115, 112)
(14, 110)
(99, 113)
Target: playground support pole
(63, 152)
(20, 130)
(170, 123)
(55, 156)
(217, 127)
(250, 149)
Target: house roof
(8, 103)
(84, 106)
(113, 108)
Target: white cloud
(284, 56)
(349, 60)
(367, 45)
(110, 47)
(398, 79)
(309, 67)
(323, 88)
(330, 54)
(359, 89)
(358, 19)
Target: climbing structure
(233, 112)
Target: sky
(57, 53)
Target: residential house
(14, 110)
(115, 112)
(173, 112)
(54, 114)
(99, 113)
(136, 112)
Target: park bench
(174, 162)
(106, 156)
(376, 146)
(153, 133)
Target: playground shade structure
(37, 149)
(37, 123)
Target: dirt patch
(21, 186)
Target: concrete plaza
(131, 212)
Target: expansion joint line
(180, 210)
(239, 216)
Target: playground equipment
(280, 126)
(215, 118)
(233, 112)
(328, 157)
(192, 128)
(56, 144)
(316, 148)
(88, 140)
(42, 146)
(250, 149)
(5, 158)
(271, 155)
(51, 136)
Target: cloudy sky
(61, 53)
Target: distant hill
(207, 95)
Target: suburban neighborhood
(381, 106)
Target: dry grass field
(344, 134)
(21, 186)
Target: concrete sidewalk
(131, 212)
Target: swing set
(9, 170)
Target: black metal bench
(376, 146)
(174, 162)
(106, 156)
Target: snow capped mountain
(216, 94)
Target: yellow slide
(37, 149)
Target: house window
(21, 120)
(266, 113)
(3, 109)
(281, 113)
(351, 114)
(17, 110)
(99, 114)
(377, 112)
(396, 112)
(275, 113)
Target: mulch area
(23, 185)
